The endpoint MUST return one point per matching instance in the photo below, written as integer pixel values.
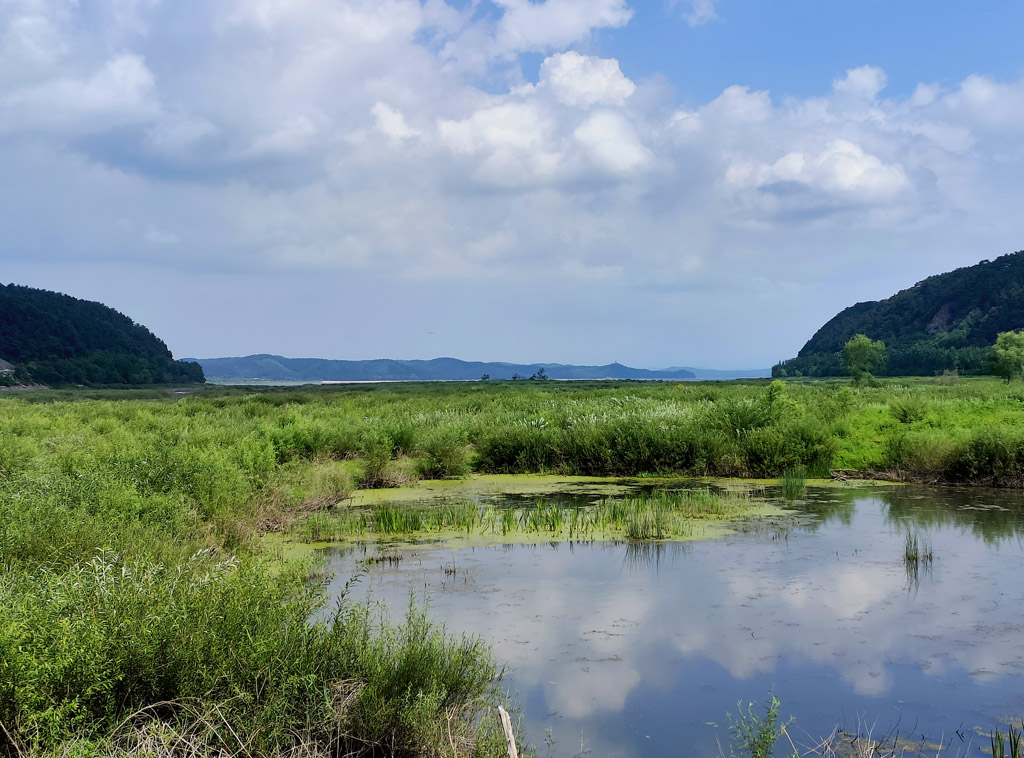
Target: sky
(662, 183)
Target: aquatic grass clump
(793, 483)
(394, 519)
(658, 515)
(917, 550)
(649, 521)
(755, 735)
(665, 513)
(544, 517)
(388, 519)
(1008, 746)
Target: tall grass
(83, 648)
(793, 483)
(1010, 745)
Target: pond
(641, 649)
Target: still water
(641, 650)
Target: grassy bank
(140, 615)
(141, 608)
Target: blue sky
(792, 47)
(697, 182)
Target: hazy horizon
(666, 183)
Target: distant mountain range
(946, 322)
(724, 374)
(274, 368)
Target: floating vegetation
(657, 516)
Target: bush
(443, 453)
(517, 449)
(83, 648)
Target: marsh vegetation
(663, 514)
(143, 603)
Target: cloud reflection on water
(593, 631)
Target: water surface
(642, 649)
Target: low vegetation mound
(947, 322)
(50, 338)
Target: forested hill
(276, 368)
(946, 322)
(58, 339)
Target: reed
(793, 483)
(917, 550)
(1008, 746)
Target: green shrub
(443, 453)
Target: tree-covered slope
(58, 339)
(946, 322)
(276, 368)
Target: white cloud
(528, 25)
(391, 122)
(697, 12)
(513, 142)
(581, 80)
(612, 142)
(840, 167)
(121, 92)
(864, 82)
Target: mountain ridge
(945, 322)
(53, 338)
(267, 367)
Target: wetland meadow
(373, 569)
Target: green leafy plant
(754, 735)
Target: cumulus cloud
(839, 170)
(527, 25)
(582, 80)
(864, 82)
(401, 137)
(612, 142)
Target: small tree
(861, 355)
(1008, 355)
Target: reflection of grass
(657, 516)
